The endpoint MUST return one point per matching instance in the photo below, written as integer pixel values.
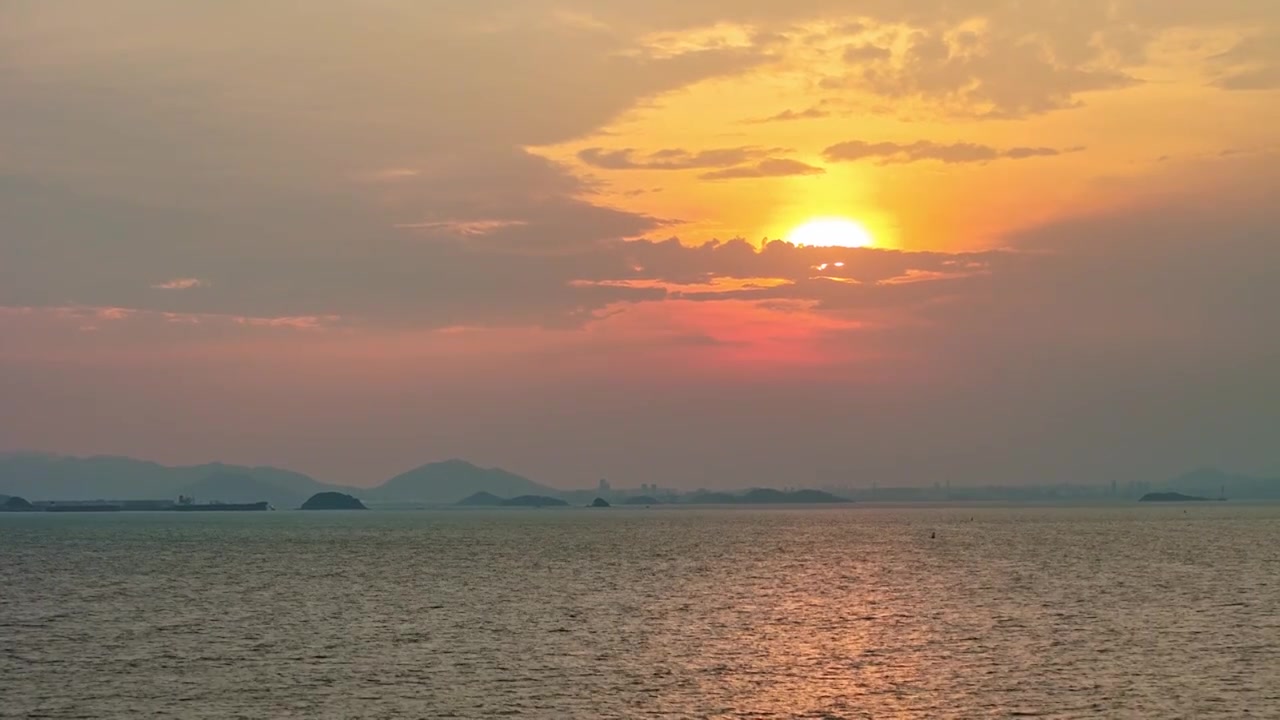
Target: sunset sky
(350, 237)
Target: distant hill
(294, 483)
(451, 481)
(40, 476)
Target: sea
(953, 611)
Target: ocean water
(1145, 611)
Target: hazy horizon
(1125, 487)
(351, 238)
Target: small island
(1173, 497)
(600, 503)
(487, 499)
(766, 496)
(16, 504)
(534, 501)
(333, 501)
(481, 499)
(769, 496)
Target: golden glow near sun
(831, 232)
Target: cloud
(670, 158)
(325, 256)
(473, 229)
(387, 175)
(462, 228)
(771, 167)
(1126, 343)
(94, 120)
(404, 259)
(855, 54)
(1113, 286)
(728, 163)
(490, 284)
(59, 332)
(181, 284)
(1252, 64)
(922, 150)
(979, 71)
(811, 113)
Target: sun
(831, 232)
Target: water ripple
(675, 613)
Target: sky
(563, 237)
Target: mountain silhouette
(41, 476)
(451, 481)
(52, 477)
(295, 484)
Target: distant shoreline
(119, 506)
(113, 509)
(113, 479)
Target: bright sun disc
(831, 232)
